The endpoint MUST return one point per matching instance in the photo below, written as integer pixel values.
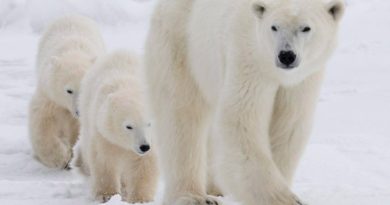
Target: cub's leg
(292, 122)
(104, 169)
(139, 178)
(70, 128)
(46, 121)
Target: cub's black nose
(287, 58)
(144, 148)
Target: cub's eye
(274, 28)
(129, 127)
(306, 29)
(69, 91)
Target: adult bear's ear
(259, 8)
(336, 9)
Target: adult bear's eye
(274, 28)
(69, 91)
(306, 29)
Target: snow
(347, 161)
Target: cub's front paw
(197, 200)
(58, 160)
(103, 198)
(213, 190)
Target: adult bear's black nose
(144, 148)
(287, 58)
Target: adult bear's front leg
(182, 150)
(246, 168)
(292, 122)
(178, 106)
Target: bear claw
(195, 200)
(103, 198)
(209, 202)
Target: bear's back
(66, 33)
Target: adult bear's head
(298, 35)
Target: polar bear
(249, 73)
(69, 46)
(114, 146)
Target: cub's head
(122, 120)
(67, 73)
(297, 35)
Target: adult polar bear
(249, 71)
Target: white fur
(68, 48)
(111, 100)
(212, 67)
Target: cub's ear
(336, 9)
(259, 8)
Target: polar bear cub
(115, 136)
(67, 49)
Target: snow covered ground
(346, 163)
